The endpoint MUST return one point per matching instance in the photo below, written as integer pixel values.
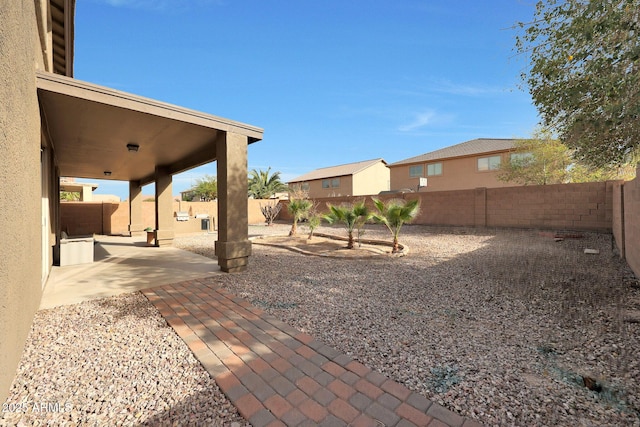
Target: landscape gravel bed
(112, 362)
(509, 327)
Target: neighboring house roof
(468, 148)
(341, 170)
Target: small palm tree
(298, 208)
(263, 184)
(351, 216)
(394, 214)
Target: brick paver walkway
(278, 376)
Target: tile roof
(468, 148)
(340, 170)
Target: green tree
(352, 216)
(394, 214)
(206, 188)
(69, 196)
(539, 161)
(263, 184)
(585, 75)
(298, 208)
(545, 160)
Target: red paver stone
(368, 389)
(304, 338)
(412, 414)
(227, 380)
(358, 368)
(308, 385)
(313, 410)
(259, 365)
(334, 369)
(398, 390)
(278, 405)
(341, 389)
(305, 351)
(343, 410)
(248, 405)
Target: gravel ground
(504, 326)
(109, 362)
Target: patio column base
(164, 238)
(233, 257)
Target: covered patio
(101, 133)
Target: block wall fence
(85, 218)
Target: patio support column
(233, 247)
(136, 223)
(164, 207)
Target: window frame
(436, 173)
(489, 167)
(413, 175)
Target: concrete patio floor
(123, 264)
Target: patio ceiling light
(133, 147)
(107, 173)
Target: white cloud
(424, 119)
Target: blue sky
(330, 81)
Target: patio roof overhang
(90, 126)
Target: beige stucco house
(470, 164)
(53, 125)
(352, 179)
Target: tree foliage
(352, 216)
(394, 214)
(298, 208)
(69, 196)
(206, 188)
(263, 184)
(538, 161)
(545, 160)
(585, 75)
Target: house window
(304, 186)
(416, 171)
(434, 169)
(331, 183)
(488, 163)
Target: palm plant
(298, 208)
(263, 184)
(351, 216)
(394, 214)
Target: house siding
(457, 174)
(371, 180)
(20, 183)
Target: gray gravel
(108, 362)
(503, 326)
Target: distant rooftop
(469, 148)
(340, 170)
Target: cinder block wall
(585, 206)
(81, 218)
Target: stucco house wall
(21, 267)
(344, 189)
(457, 174)
(371, 180)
